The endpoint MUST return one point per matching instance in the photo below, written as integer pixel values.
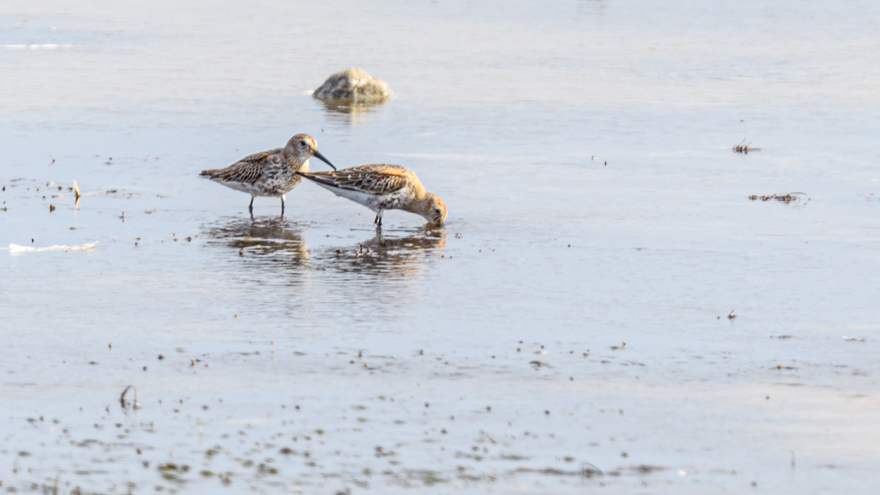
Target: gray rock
(353, 86)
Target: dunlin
(382, 187)
(270, 173)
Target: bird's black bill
(319, 156)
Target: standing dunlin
(383, 187)
(270, 173)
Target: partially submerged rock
(351, 87)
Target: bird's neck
(421, 202)
(292, 156)
(295, 161)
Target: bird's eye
(302, 143)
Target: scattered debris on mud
(744, 148)
(792, 197)
(135, 404)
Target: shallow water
(566, 331)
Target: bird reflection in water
(274, 243)
(387, 254)
(270, 240)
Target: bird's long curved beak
(319, 156)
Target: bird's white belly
(240, 186)
(371, 201)
(262, 187)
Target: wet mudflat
(636, 327)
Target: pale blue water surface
(571, 316)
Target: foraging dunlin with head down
(270, 173)
(382, 187)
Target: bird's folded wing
(248, 169)
(369, 179)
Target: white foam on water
(15, 249)
(43, 46)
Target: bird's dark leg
(378, 220)
(282, 205)
(251, 208)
